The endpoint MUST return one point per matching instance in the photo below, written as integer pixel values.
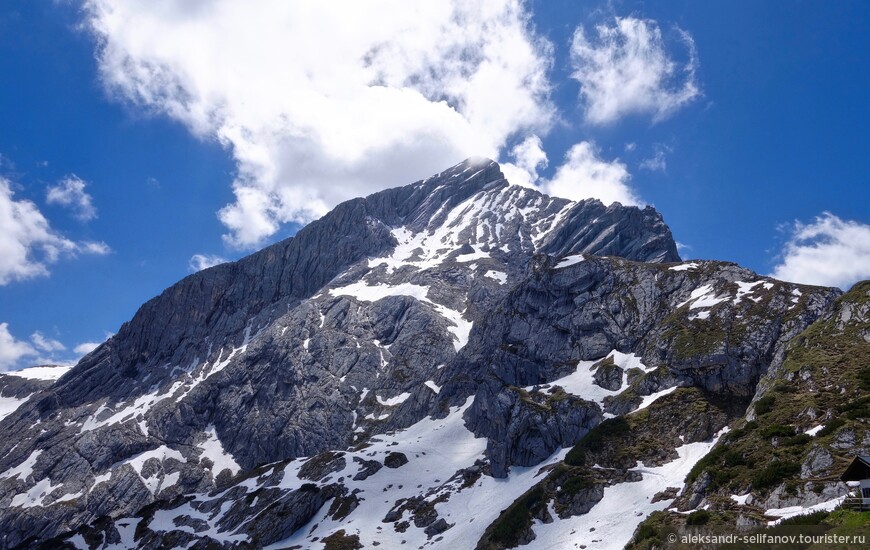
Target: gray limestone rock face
(367, 469)
(818, 461)
(560, 316)
(457, 290)
(608, 376)
(287, 514)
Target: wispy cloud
(625, 68)
(658, 162)
(70, 192)
(46, 344)
(40, 350)
(683, 249)
(86, 347)
(828, 251)
(408, 88)
(198, 262)
(28, 244)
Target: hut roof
(859, 469)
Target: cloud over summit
(322, 102)
(319, 103)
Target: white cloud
(28, 244)
(198, 262)
(321, 102)
(829, 251)
(625, 69)
(46, 344)
(86, 347)
(528, 157)
(659, 161)
(584, 174)
(70, 192)
(12, 350)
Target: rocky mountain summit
(455, 363)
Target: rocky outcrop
(12, 385)
(523, 428)
(688, 327)
(806, 423)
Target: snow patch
(461, 328)
(651, 398)
(393, 401)
(623, 507)
(9, 405)
(213, 449)
(582, 384)
(372, 293)
(628, 361)
(570, 260)
(702, 297)
(156, 482)
(476, 255)
(23, 470)
(35, 496)
(41, 373)
(744, 289)
(740, 499)
(499, 276)
(792, 511)
(815, 430)
(136, 410)
(102, 478)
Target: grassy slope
(826, 375)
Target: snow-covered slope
(16, 387)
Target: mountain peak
(344, 331)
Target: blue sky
(171, 130)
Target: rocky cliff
(413, 367)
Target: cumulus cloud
(46, 344)
(625, 68)
(658, 162)
(12, 350)
(828, 251)
(198, 262)
(28, 244)
(70, 192)
(528, 157)
(584, 174)
(321, 102)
